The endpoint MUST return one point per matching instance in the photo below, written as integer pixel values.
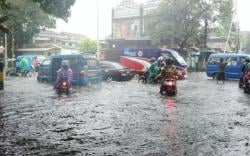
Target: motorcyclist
(246, 71)
(243, 70)
(161, 62)
(24, 65)
(169, 71)
(64, 72)
(153, 70)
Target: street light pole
(5, 55)
(97, 21)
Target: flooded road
(125, 118)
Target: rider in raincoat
(169, 71)
(153, 70)
(64, 72)
(24, 65)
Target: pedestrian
(35, 66)
(221, 71)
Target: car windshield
(117, 65)
(179, 58)
(46, 62)
(91, 63)
(40, 58)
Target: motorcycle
(168, 87)
(143, 78)
(63, 87)
(246, 83)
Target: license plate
(92, 74)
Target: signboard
(129, 28)
(126, 13)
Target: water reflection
(170, 130)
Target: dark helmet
(64, 64)
(221, 59)
(152, 60)
(169, 61)
(247, 60)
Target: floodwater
(125, 118)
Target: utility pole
(97, 22)
(13, 44)
(5, 54)
(238, 37)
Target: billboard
(129, 28)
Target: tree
(177, 20)
(57, 8)
(26, 18)
(188, 22)
(87, 45)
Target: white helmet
(160, 58)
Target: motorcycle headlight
(64, 83)
(82, 73)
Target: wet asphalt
(125, 118)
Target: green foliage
(26, 18)
(188, 22)
(87, 45)
(57, 8)
(177, 20)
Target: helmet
(152, 59)
(247, 60)
(160, 58)
(64, 63)
(169, 61)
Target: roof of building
(34, 49)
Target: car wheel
(215, 76)
(245, 90)
(109, 78)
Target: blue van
(85, 68)
(233, 68)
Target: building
(49, 42)
(128, 27)
(128, 24)
(66, 41)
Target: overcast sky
(83, 17)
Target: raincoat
(62, 73)
(153, 71)
(24, 65)
(168, 72)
